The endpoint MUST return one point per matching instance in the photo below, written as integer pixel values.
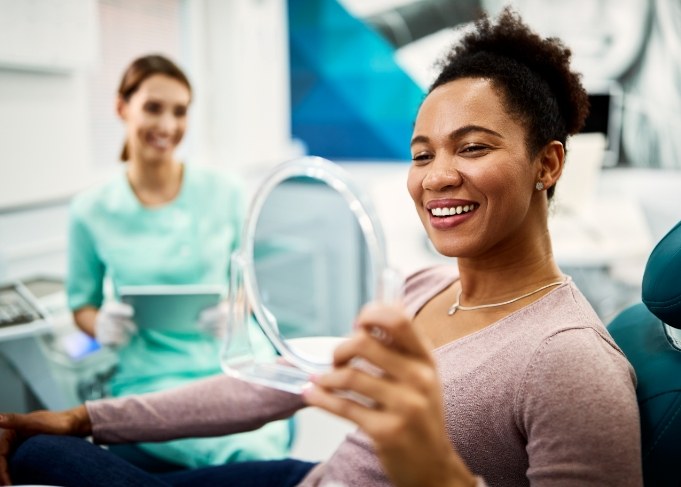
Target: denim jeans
(66, 461)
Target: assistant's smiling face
(156, 118)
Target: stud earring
(539, 186)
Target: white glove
(213, 320)
(114, 325)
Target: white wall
(239, 64)
(46, 49)
(43, 120)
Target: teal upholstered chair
(650, 335)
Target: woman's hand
(15, 428)
(404, 412)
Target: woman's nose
(167, 122)
(442, 175)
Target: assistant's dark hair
(142, 68)
(531, 73)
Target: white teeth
(160, 142)
(454, 210)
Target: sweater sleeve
(577, 407)
(215, 406)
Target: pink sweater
(541, 397)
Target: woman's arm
(404, 413)
(85, 319)
(577, 407)
(214, 406)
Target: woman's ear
(551, 160)
(121, 107)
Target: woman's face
(471, 178)
(155, 118)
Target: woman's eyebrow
(467, 129)
(419, 139)
(460, 132)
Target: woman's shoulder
(212, 189)
(421, 286)
(428, 275)
(210, 177)
(566, 308)
(566, 326)
(100, 196)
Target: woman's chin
(443, 248)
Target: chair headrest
(662, 279)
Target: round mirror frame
(338, 179)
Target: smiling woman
(160, 222)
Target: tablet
(170, 308)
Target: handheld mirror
(312, 254)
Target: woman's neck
(155, 184)
(510, 272)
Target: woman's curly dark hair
(533, 75)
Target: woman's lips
(448, 214)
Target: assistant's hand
(15, 428)
(114, 325)
(213, 320)
(404, 415)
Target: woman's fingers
(380, 424)
(392, 326)
(393, 363)
(341, 404)
(389, 370)
(8, 420)
(7, 440)
(75, 421)
(35, 422)
(14, 428)
(359, 380)
(385, 410)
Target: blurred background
(341, 79)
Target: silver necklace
(457, 307)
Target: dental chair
(649, 333)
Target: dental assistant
(160, 222)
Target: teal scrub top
(187, 241)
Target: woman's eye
(475, 149)
(180, 111)
(153, 108)
(421, 157)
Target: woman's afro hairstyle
(532, 75)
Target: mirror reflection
(310, 259)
